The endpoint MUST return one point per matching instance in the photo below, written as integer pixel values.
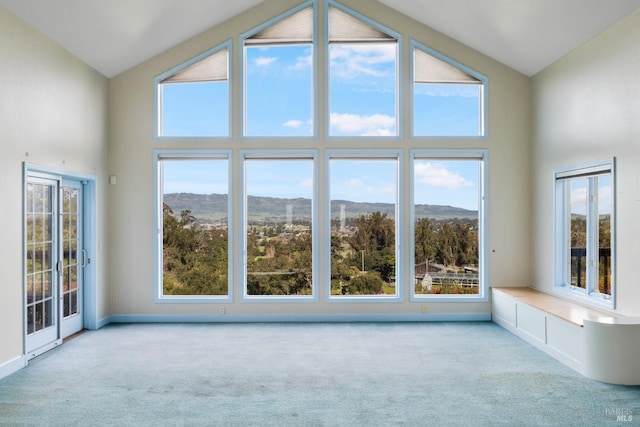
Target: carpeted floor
(343, 374)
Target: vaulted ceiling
(115, 35)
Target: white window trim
(308, 154)
(159, 155)
(484, 101)
(400, 255)
(590, 295)
(455, 154)
(327, 77)
(157, 125)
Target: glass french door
(41, 258)
(54, 259)
(73, 259)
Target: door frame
(90, 313)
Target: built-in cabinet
(601, 346)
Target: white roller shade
(344, 28)
(297, 28)
(429, 69)
(210, 69)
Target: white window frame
(279, 155)
(483, 178)
(361, 154)
(483, 101)
(160, 155)
(562, 229)
(157, 81)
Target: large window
(278, 225)
(194, 202)
(364, 205)
(584, 231)
(448, 211)
(311, 185)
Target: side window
(585, 238)
(364, 225)
(193, 99)
(363, 76)
(278, 76)
(448, 98)
(278, 225)
(447, 225)
(194, 209)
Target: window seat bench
(599, 345)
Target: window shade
(600, 169)
(344, 28)
(429, 69)
(210, 69)
(297, 28)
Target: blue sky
(578, 194)
(436, 182)
(362, 88)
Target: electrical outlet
(115, 300)
(425, 309)
(221, 310)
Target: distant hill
(202, 205)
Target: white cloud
(437, 175)
(352, 61)
(294, 124)
(355, 124)
(265, 61)
(303, 62)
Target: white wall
(131, 207)
(53, 112)
(587, 107)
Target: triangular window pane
(345, 28)
(429, 69)
(296, 28)
(210, 69)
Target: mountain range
(203, 205)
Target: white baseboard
(298, 318)
(13, 365)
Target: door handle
(84, 259)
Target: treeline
(195, 259)
(445, 242)
(279, 256)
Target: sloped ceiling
(115, 35)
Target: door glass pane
(70, 236)
(446, 228)
(578, 203)
(195, 222)
(605, 211)
(39, 252)
(278, 227)
(363, 226)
